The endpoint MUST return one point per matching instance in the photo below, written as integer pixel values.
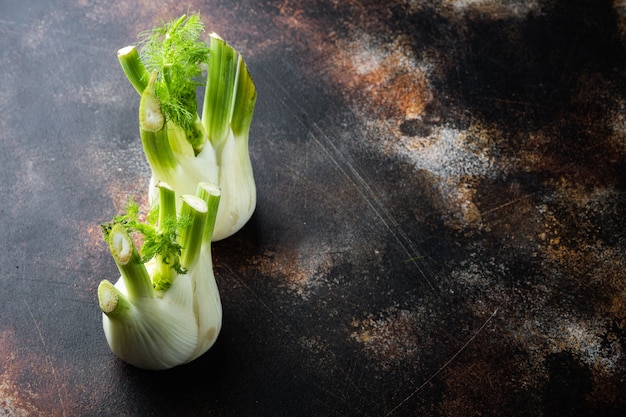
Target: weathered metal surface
(440, 225)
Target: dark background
(440, 219)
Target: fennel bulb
(165, 309)
(182, 148)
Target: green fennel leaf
(159, 241)
(177, 52)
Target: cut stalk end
(112, 302)
(151, 117)
(132, 66)
(121, 245)
(190, 238)
(134, 273)
(108, 297)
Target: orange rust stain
(383, 80)
(562, 237)
(598, 266)
(299, 270)
(570, 244)
(618, 306)
(20, 395)
(391, 337)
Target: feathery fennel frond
(176, 51)
(158, 240)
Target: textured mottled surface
(441, 220)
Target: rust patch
(580, 242)
(455, 163)
(391, 337)
(12, 402)
(380, 78)
(23, 392)
(300, 271)
(383, 80)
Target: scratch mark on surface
(43, 342)
(234, 276)
(446, 364)
(351, 174)
(508, 203)
(370, 197)
(353, 407)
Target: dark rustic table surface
(440, 228)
